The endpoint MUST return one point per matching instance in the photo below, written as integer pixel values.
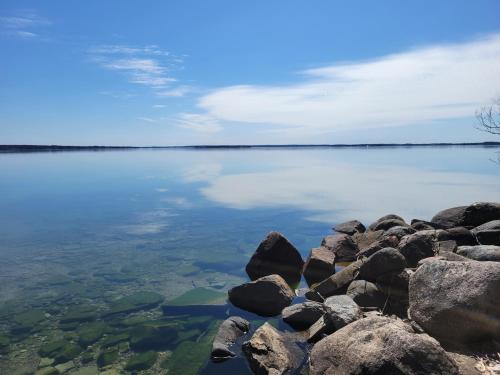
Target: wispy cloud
(144, 65)
(147, 119)
(25, 25)
(419, 86)
(198, 122)
(176, 92)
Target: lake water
(82, 232)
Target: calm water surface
(108, 254)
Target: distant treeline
(55, 148)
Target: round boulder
(302, 315)
(480, 252)
(350, 227)
(387, 260)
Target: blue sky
(234, 72)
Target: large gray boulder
(456, 302)
(461, 235)
(472, 216)
(337, 283)
(320, 264)
(489, 237)
(350, 227)
(276, 256)
(266, 296)
(302, 315)
(270, 352)
(418, 246)
(342, 245)
(490, 225)
(373, 225)
(342, 310)
(379, 345)
(480, 252)
(395, 287)
(366, 294)
(229, 331)
(384, 261)
(389, 223)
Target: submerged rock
(350, 227)
(480, 252)
(342, 245)
(320, 264)
(271, 352)
(229, 331)
(135, 302)
(380, 346)
(275, 255)
(302, 315)
(141, 361)
(456, 302)
(266, 296)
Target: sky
(246, 72)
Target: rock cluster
(403, 294)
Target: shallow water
(80, 230)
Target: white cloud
(422, 85)
(23, 25)
(159, 106)
(147, 119)
(146, 65)
(176, 92)
(198, 122)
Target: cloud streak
(25, 25)
(424, 85)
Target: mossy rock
(189, 357)
(87, 357)
(146, 338)
(113, 340)
(69, 326)
(79, 314)
(130, 321)
(107, 357)
(47, 371)
(135, 302)
(92, 370)
(4, 343)
(199, 296)
(61, 350)
(141, 361)
(28, 320)
(90, 333)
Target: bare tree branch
(489, 118)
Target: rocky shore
(391, 298)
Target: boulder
(494, 224)
(229, 331)
(270, 352)
(418, 246)
(364, 240)
(387, 260)
(342, 245)
(456, 302)
(389, 241)
(266, 296)
(302, 315)
(389, 223)
(320, 264)
(449, 246)
(342, 310)
(480, 252)
(461, 235)
(366, 294)
(489, 237)
(337, 283)
(350, 227)
(384, 218)
(395, 287)
(473, 215)
(379, 345)
(418, 224)
(399, 231)
(276, 256)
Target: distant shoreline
(56, 148)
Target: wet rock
(389, 241)
(473, 215)
(229, 331)
(418, 246)
(456, 302)
(266, 296)
(342, 310)
(489, 237)
(272, 352)
(350, 227)
(387, 260)
(480, 252)
(379, 345)
(338, 283)
(389, 223)
(366, 294)
(275, 255)
(319, 265)
(302, 315)
(364, 240)
(141, 361)
(399, 231)
(384, 218)
(342, 245)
